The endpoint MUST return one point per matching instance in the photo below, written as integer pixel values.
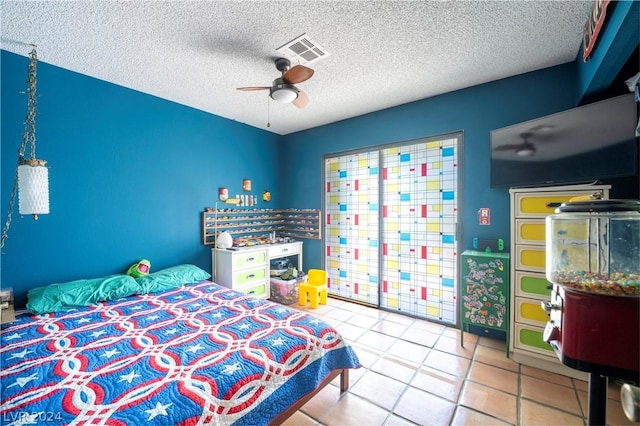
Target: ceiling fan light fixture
(525, 151)
(285, 93)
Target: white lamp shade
(285, 95)
(525, 152)
(224, 240)
(33, 189)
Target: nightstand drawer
(249, 276)
(245, 260)
(282, 250)
(258, 290)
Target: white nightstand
(7, 314)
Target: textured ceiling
(382, 53)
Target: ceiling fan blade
(297, 74)
(251, 88)
(507, 147)
(302, 100)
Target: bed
(193, 354)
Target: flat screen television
(594, 142)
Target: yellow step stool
(315, 289)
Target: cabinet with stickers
(484, 286)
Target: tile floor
(416, 373)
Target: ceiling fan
(283, 89)
(522, 149)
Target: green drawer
(244, 260)
(532, 339)
(532, 284)
(259, 290)
(246, 277)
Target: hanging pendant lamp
(33, 188)
(31, 181)
(33, 176)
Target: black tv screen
(590, 143)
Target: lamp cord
(28, 136)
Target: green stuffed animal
(290, 274)
(139, 269)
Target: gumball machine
(593, 261)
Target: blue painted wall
(129, 176)
(474, 111)
(616, 42)
(131, 173)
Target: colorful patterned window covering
(390, 230)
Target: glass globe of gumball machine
(593, 262)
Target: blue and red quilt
(200, 354)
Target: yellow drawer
(544, 203)
(530, 312)
(258, 290)
(530, 231)
(532, 285)
(530, 258)
(529, 338)
(245, 277)
(245, 260)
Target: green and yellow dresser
(529, 287)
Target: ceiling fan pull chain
(268, 113)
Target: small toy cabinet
(239, 222)
(248, 269)
(485, 295)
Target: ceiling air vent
(302, 50)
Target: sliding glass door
(352, 226)
(390, 226)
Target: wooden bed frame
(344, 385)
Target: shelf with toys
(252, 226)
